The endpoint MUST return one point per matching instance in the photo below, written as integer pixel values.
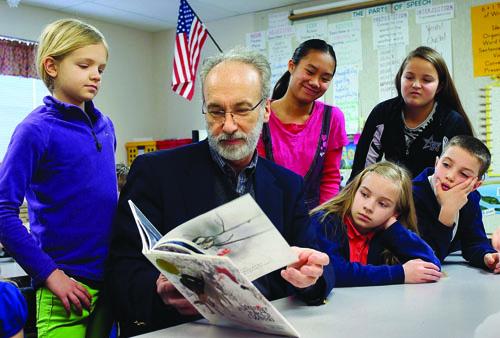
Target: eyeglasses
(238, 114)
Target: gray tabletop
(465, 303)
(10, 269)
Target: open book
(213, 258)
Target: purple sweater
(62, 160)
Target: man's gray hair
(240, 54)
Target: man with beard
(173, 186)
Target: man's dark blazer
(173, 186)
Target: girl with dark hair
(304, 134)
(413, 127)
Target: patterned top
(412, 133)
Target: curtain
(17, 58)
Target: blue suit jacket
(173, 186)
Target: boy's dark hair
(474, 147)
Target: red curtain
(17, 58)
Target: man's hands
(419, 271)
(170, 296)
(492, 261)
(306, 271)
(453, 200)
(70, 292)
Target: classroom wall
(127, 93)
(136, 90)
(232, 32)
(176, 115)
(469, 88)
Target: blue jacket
(13, 310)
(172, 187)
(470, 237)
(62, 161)
(404, 244)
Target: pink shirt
(294, 146)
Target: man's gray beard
(236, 152)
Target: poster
(346, 96)
(437, 35)
(485, 22)
(311, 30)
(257, 41)
(345, 37)
(389, 30)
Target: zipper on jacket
(97, 143)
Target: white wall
(468, 87)
(175, 115)
(127, 92)
(136, 91)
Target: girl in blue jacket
(369, 231)
(61, 159)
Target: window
(18, 97)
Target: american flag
(191, 35)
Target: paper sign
(390, 30)
(485, 21)
(437, 35)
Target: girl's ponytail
(281, 86)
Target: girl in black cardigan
(412, 128)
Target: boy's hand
(492, 261)
(453, 200)
(389, 222)
(170, 296)
(68, 291)
(419, 271)
(306, 271)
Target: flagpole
(213, 40)
(210, 35)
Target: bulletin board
(485, 21)
(371, 44)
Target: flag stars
(186, 18)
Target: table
(10, 269)
(463, 304)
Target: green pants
(52, 321)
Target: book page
(220, 292)
(241, 231)
(149, 234)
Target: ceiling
(157, 15)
